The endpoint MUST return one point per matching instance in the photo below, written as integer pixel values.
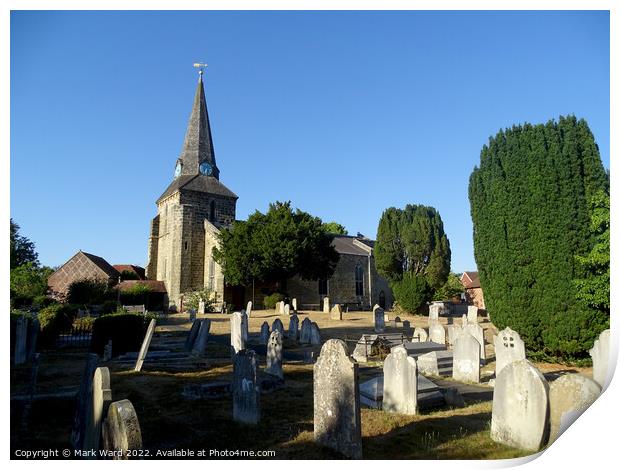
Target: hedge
(126, 330)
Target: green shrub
(109, 306)
(53, 320)
(412, 292)
(88, 292)
(127, 275)
(84, 323)
(192, 299)
(270, 301)
(126, 330)
(42, 301)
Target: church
(197, 205)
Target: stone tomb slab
(429, 394)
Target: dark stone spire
(198, 145)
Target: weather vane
(201, 68)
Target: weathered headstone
(191, 335)
(121, 430)
(245, 326)
(264, 333)
(315, 334)
(600, 358)
(464, 320)
(336, 312)
(304, 332)
(145, 346)
(293, 327)
(21, 339)
(434, 311)
(248, 309)
(201, 307)
(520, 407)
(287, 309)
(274, 355)
(509, 347)
(294, 303)
(466, 359)
(472, 314)
(477, 332)
(237, 340)
(406, 327)
(379, 314)
(569, 396)
(246, 393)
(100, 400)
(33, 336)
(200, 345)
(337, 420)
(420, 335)
(84, 408)
(453, 332)
(281, 308)
(277, 325)
(400, 382)
(325, 304)
(107, 352)
(437, 333)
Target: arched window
(212, 211)
(359, 280)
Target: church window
(359, 280)
(323, 287)
(212, 211)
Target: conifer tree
(529, 206)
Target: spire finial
(201, 68)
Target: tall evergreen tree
(529, 206)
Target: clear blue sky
(343, 113)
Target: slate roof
(345, 244)
(199, 183)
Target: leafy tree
(192, 300)
(127, 275)
(335, 228)
(411, 292)
(529, 206)
(593, 287)
(276, 246)
(452, 288)
(22, 249)
(89, 292)
(29, 281)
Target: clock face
(177, 169)
(206, 168)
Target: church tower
(190, 213)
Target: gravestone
(315, 334)
(379, 314)
(396, 322)
(107, 352)
(237, 339)
(509, 347)
(600, 358)
(437, 333)
(466, 359)
(520, 407)
(304, 332)
(472, 314)
(121, 430)
(406, 327)
(281, 308)
(439, 363)
(294, 302)
(274, 355)
(201, 307)
(100, 400)
(191, 336)
(477, 332)
(264, 333)
(400, 382)
(325, 304)
(246, 393)
(192, 315)
(337, 420)
(33, 336)
(200, 345)
(434, 310)
(244, 327)
(277, 325)
(464, 320)
(248, 309)
(293, 327)
(569, 396)
(287, 309)
(145, 346)
(336, 312)
(21, 339)
(453, 332)
(420, 335)
(83, 408)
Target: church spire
(198, 156)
